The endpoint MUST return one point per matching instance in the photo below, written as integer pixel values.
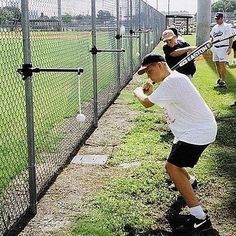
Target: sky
(175, 5)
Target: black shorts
(184, 154)
(234, 45)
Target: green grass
(137, 201)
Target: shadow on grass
(225, 160)
(166, 136)
(159, 232)
(224, 155)
(173, 211)
(226, 135)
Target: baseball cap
(167, 34)
(149, 59)
(219, 15)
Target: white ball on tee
(80, 117)
(122, 29)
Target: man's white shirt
(189, 117)
(221, 31)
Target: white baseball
(80, 117)
(122, 29)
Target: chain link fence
(72, 56)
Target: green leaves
(224, 6)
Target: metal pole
(187, 26)
(95, 87)
(131, 40)
(203, 21)
(168, 7)
(146, 27)
(140, 33)
(59, 15)
(29, 109)
(118, 43)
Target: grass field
(135, 203)
(55, 95)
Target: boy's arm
(142, 97)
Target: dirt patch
(64, 199)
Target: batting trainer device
(198, 51)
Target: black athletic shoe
(173, 188)
(233, 105)
(220, 84)
(190, 224)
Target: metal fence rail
(72, 56)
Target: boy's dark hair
(175, 31)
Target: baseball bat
(198, 51)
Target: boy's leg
(184, 155)
(190, 178)
(185, 172)
(181, 181)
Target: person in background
(234, 49)
(193, 125)
(179, 37)
(175, 50)
(222, 49)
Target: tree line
(224, 6)
(13, 13)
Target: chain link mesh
(61, 36)
(13, 146)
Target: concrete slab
(90, 159)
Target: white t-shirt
(221, 31)
(189, 117)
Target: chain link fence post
(29, 108)
(94, 55)
(59, 16)
(118, 43)
(140, 32)
(131, 34)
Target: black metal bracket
(94, 50)
(118, 36)
(131, 32)
(143, 31)
(131, 36)
(27, 70)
